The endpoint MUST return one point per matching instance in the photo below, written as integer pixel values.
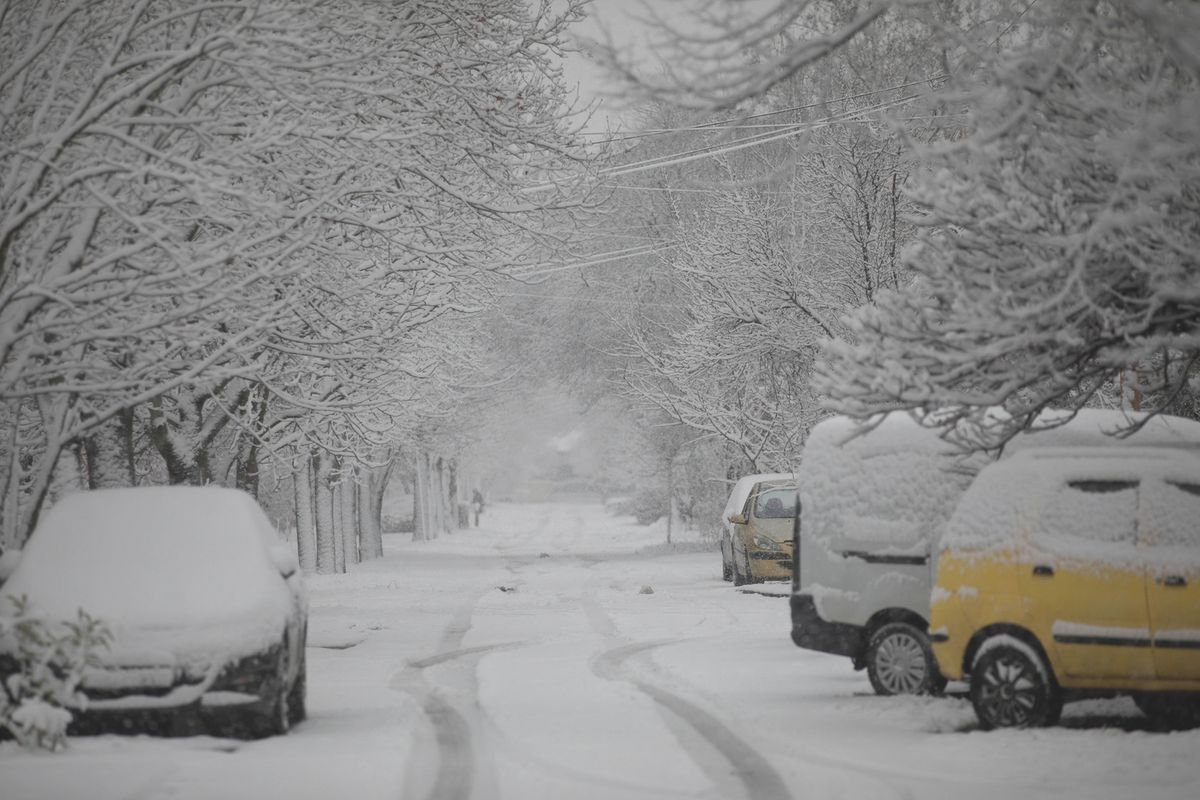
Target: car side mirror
(285, 559)
(8, 564)
(737, 519)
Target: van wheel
(726, 565)
(900, 661)
(1011, 687)
(1177, 710)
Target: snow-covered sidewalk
(556, 652)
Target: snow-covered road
(557, 652)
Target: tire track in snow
(454, 744)
(750, 775)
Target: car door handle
(1043, 570)
(1173, 580)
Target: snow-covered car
(1069, 572)
(761, 541)
(873, 505)
(735, 505)
(204, 601)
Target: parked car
(1070, 572)
(736, 504)
(873, 505)
(204, 600)
(761, 538)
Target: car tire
(726, 563)
(739, 578)
(277, 719)
(900, 661)
(1174, 710)
(297, 698)
(1013, 687)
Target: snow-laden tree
(1058, 234)
(215, 212)
(1057, 200)
(793, 218)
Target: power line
(602, 258)
(725, 122)
(741, 144)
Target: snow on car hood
(179, 569)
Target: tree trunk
(370, 507)
(306, 531)
(339, 533)
(670, 497)
(423, 522)
(10, 516)
(326, 558)
(350, 532)
(110, 453)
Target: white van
(873, 506)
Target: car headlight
(765, 542)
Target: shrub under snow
(49, 660)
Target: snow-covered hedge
(49, 660)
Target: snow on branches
(251, 211)
(1057, 232)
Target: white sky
(620, 18)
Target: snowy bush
(42, 668)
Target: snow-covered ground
(556, 652)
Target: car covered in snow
(874, 500)
(761, 533)
(1064, 573)
(736, 505)
(204, 601)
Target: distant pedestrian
(477, 504)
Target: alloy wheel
(899, 661)
(1009, 690)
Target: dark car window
(775, 504)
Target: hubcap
(900, 664)
(1009, 692)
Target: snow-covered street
(558, 652)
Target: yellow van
(1074, 572)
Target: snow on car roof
(741, 489)
(150, 556)
(895, 481)
(1032, 491)
(893, 485)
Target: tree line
(242, 242)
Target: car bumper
(770, 564)
(813, 633)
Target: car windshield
(775, 504)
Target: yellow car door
(1171, 528)
(1085, 583)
